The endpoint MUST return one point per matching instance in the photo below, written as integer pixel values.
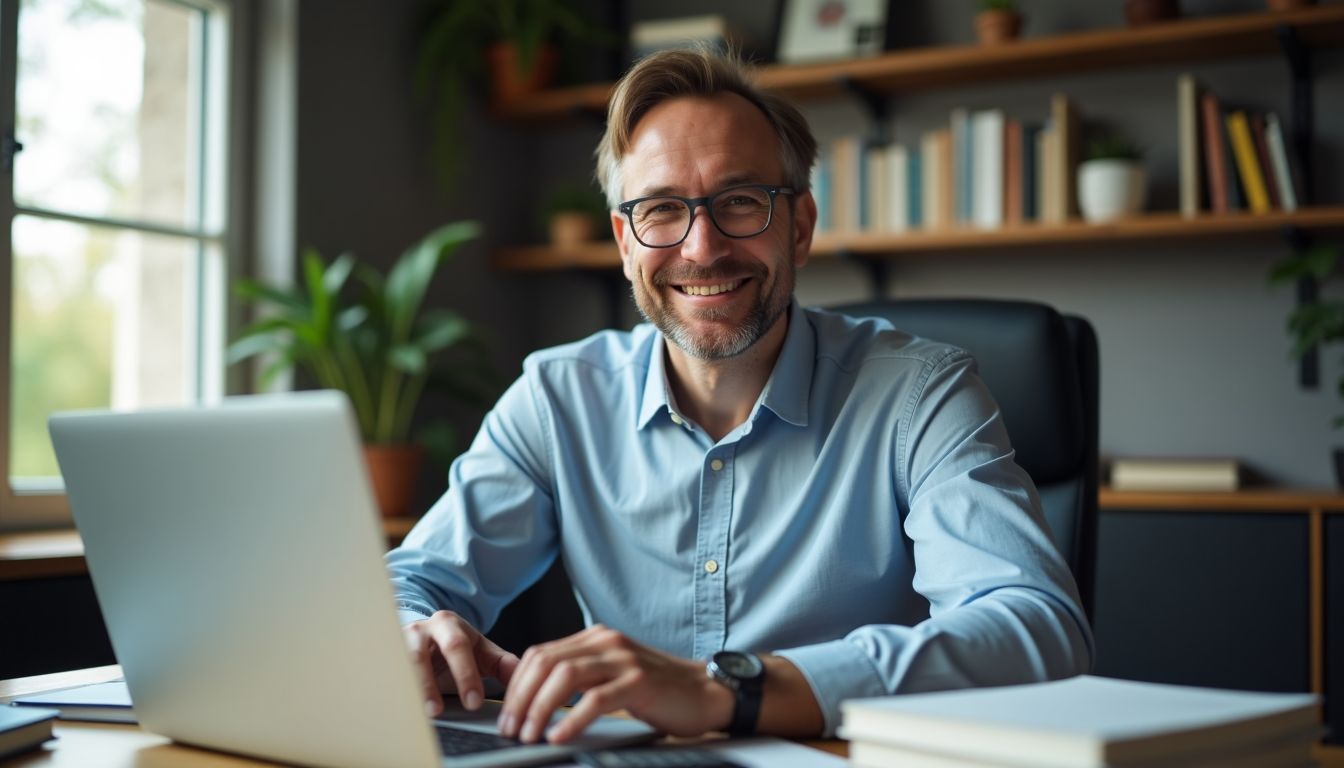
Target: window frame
(224, 120)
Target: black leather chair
(1041, 367)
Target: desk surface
(80, 745)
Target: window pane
(107, 108)
(102, 318)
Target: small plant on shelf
(997, 22)
(1111, 181)
(574, 214)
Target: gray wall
(1194, 355)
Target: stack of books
(1083, 722)
(1175, 474)
(661, 34)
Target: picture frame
(821, 30)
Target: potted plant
(997, 22)
(1111, 181)
(371, 339)
(510, 40)
(1317, 322)
(574, 214)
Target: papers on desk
(1083, 722)
(100, 703)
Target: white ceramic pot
(1110, 189)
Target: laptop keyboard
(458, 741)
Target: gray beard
(760, 320)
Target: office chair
(1042, 369)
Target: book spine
(1278, 155)
(1214, 156)
(1013, 157)
(874, 216)
(1068, 136)
(914, 214)
(962, 159)
(1031, 177)
(897, 184)
(1243, 148)
(1187, 130)
(1262, 160)
(987, 171)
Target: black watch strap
(744, 675)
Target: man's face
(712, 296)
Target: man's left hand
(612, 672)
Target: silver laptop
(238, 562)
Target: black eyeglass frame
(693, 203)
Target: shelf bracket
(1302, 127)
(876, 104)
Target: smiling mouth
(710, 290)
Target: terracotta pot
(393, 470)
(509, 82)
(571, 228)
(995, 27)
(1140, 12)
(1288, 5)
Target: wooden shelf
(1153, 227)
(1174, 42)
(1250, 500)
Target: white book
(1187, 143)
(1278, 157)
(1082, 722)
(987, 126)
(897, 201)
(1291, 752)
(932, 180)
(875, 192)
(1175, 474)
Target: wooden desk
(81, 745)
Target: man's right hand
(453, 657)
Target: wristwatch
(743, 674)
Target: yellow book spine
(1243, 147)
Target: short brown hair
(699, 71)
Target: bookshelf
(1174, 42)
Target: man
(738, 475)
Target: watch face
(740, 665)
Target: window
(113, 270)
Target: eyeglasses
(663, 221)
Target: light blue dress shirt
(867, 521)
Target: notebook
(237, 558)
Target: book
(1031, 172)
(875, 188)
(987, 171)
(1257, 121)
(1215, 164)
(1081, 722)
(936, 192)
(659, 34)
(895, 206)
(108, 702)
(1175, 474)
(1187, 143)
(1013, 176)
(1248, 168)
(1291, 752)
(963, 148)
(1278, 156)
(24, 729)
(1067, 146)
(1049, 205)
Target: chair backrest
(1042, 369)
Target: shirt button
(711, 566)
(676, 419)
(715, 465)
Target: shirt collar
(786, 392)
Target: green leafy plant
(1319, 322)
(369, 337)
(451, 55)
(1110, 146)
(998, 5)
